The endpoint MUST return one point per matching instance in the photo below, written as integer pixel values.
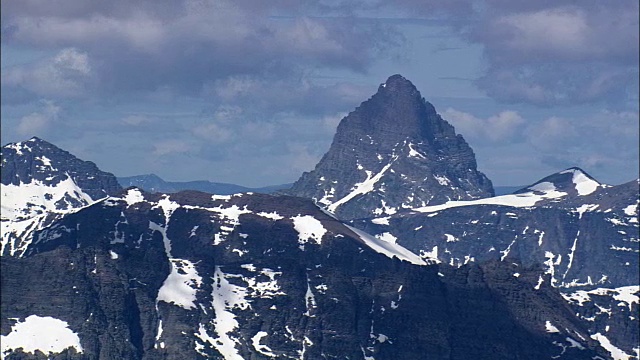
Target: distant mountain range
(505, 190)
(393, 247)
(153, 183)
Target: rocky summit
(41, 183)
(391, 153)
(36, 162)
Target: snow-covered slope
(24, 201)
(41, 183)
(573, 181)
(555, 188)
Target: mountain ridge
(153, 183)
(151, 262)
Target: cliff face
(191, 275)
(393, 152)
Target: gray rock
(393, 152)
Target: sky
(250, 92)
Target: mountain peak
(36, 139)
(392, 152)
(573, 181)
(576, 171)
(37, 162)
(397, 82)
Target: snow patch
(442, 180)
(133, 196)
(226, 297)
(625, 294)
(451, 238)
(308, 228)
(631, 210)
(616, 353)
(550, 328)
(309, 300)
(430, 256)
(272, 215)
(388, 249)
(181, 285)
(584, 185)
(388, 237)
(414, 153)
(361, 188)
(46, 334)
(23, 201)
(262, 349)
(381, 221)
(514, 200)
(586, 208)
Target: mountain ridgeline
(153, 183)
(393, 247)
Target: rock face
(191, 275)
(41, 183)
(393, 152)
(194, 275)
(584, 235)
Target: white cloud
(37, 123)
(66, 74)
(185, 45)
(505, 127)
(136, 120)
(605, 142)
(561, 31)
(171, 146)
(510, 149)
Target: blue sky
(250, 92)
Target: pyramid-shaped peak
(572, 180)
(398, 80)
(398, 83)
(37, 161)
(393, 152)
(576, 171)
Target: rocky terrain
(394, 247)
(582, 233)
(190, 275)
